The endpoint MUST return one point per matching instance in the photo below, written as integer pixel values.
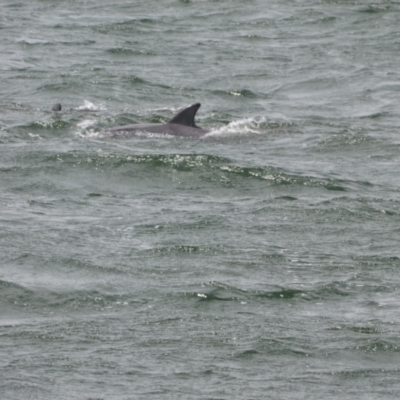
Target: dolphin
(182, 124)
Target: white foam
(83, 128)
(243, 126)
(91, 134)
(85, 123)
(153, 135)
(89, 106)
(34, 135)
(107, 134)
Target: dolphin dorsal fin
(186, 116)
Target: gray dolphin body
(181, 125)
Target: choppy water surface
(259, 262)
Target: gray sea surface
(259, 262)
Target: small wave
(123, 51)
(379, 346)
(46, 125)
(211, 168)
(239, 93)
(191, 250)
(366, 330)
(218, 291)
(42, 299)
(375, 8)
(345, 140)
(32, 42)
(183, 162)
(278, 176)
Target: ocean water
(259, 262)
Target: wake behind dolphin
(182, 124)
